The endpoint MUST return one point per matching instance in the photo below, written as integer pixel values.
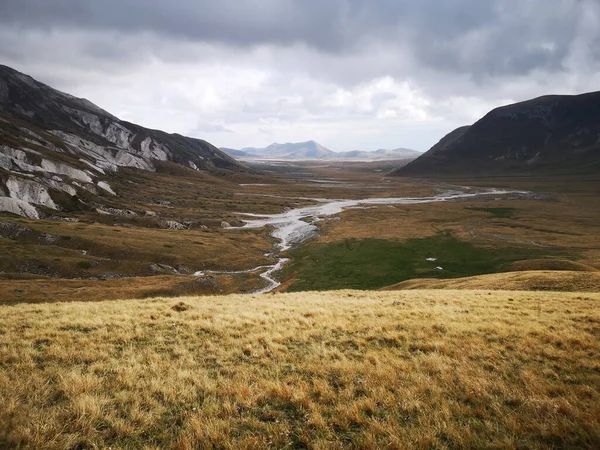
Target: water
(297, 225)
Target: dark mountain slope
(547, 135)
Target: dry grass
(347, 369)
(42, 290)
(570, 223)
(128, 251)
(533, 280)
(551, 264)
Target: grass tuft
(180, 307)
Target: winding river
(297, 225)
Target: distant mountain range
(314, 151)
(556, 134)
(54, 146)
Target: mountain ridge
(313, 150)
(553, 134)
(52, 144)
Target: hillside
(530, 280)
(346, 369)
(55, 147)
(312, 150)
(547, 135)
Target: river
(297, 225)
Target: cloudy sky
(351, 74)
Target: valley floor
(128, 250)
(344, 369)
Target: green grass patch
(375, 263)
(500, 213)
(86, 265)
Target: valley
(158, 292)
(110, 254)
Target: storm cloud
(353, 73)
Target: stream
(297, 225)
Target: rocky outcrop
(47, 239)
(104, 185)
(116, 212)
(162, 269)
(29, 191)
(11, 230)
(18, 207)
(172, 225)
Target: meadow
(344, 369)
(376, 263)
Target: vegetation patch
(375, 263)
(500, 213)
(86, 265)
(180, 307)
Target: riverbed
(297, 225)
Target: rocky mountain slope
(314, 150)
(547, 135)
(54, 147)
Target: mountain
(291, 150)
(557, 134)
(314, 150)
(398, 153)
(52, 144)
(233, 152)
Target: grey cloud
(238, 22)
(484, 38)
(381, 97)
(149, 59)
(208, 127)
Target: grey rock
(116, 212)
(12, 230)
(162, 268)
(171, 225)
(47, 239)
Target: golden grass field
(346, 369)
(528, 280)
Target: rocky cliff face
(548, 135)
(52, 143)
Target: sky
(350, 74)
